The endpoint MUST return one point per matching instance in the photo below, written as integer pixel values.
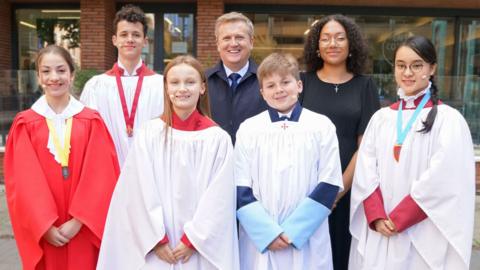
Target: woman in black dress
(336, 54)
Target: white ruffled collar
(410, 100)
(41, 107)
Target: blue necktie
(234, 77)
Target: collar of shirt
(241, 72)
(41, 107)
(125, 72)
(410, 100)
(293, 115)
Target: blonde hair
(203, 103)
(279, 63)
(234, 17)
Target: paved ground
(9, 259)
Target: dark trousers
(339, 221)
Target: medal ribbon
(129, 118)
(63, 152)
(402, 134)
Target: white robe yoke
(101, 93)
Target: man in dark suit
(232, 84)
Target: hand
(338, 198)
(284, 237)
(182, 252)
(390, 225)
(164, 253)
(70, 228)
(279, 243)
(54, 237)
(381, 227)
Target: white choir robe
(437, 170)
(101, 93)
(283, 162)
(183, 186)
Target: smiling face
(184, 86)
(234, 44)
(281, 91)
(54, 76)
(129, 40)
(333, 44)
(412, 73)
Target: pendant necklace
(336, 87)
(402, 133)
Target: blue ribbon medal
(402, 134)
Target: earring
(349, 55)
(318, 53)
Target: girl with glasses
(336, 55)
(412, 203)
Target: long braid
(428, 123)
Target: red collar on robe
(417, 101)
(146, 71)
(194, 122)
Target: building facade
(182, 26)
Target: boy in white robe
(287, 172)
(415, 163)
(129, 94)
(174, 205)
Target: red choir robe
(38, 196)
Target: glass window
(177, 35)
(467, 83)
(38, 28)
(148, 51)
(35, 29)
(280, 33)
(384, 33)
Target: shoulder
(450, 114)
(27, 116)
(95, 80)
(154, 76)
(363, 82)
(321, 121)
(257, 120)
(88, 114)
(308, 75)
(213, 70)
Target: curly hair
(357, 45)
(131, 14)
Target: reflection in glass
(177, 35)
(148, 51)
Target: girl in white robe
(412, 203)
(174, 205)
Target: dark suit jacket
(230, 109)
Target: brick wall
(96, 32)
(5, 35)
(207, 13)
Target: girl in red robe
(60, 171)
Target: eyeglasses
(414, 67)
(337, 40)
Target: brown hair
(54, 49)
(203, 103)
(279, 63)
(131, 14)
